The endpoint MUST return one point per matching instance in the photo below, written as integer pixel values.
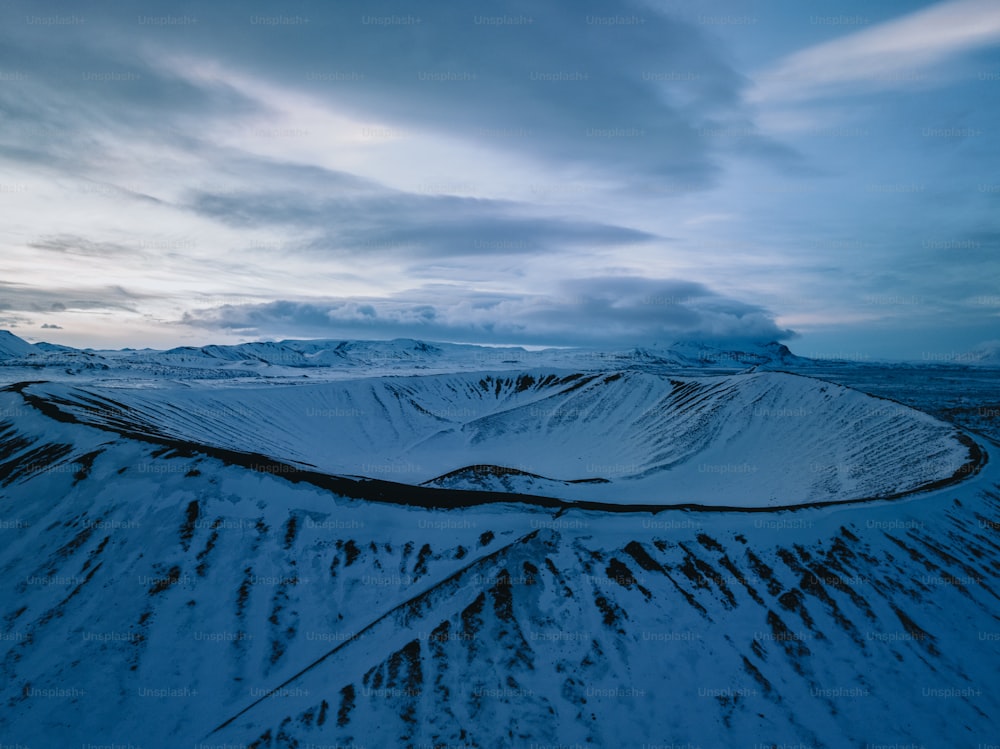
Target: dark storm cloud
(111, 77)
(81, 91)
(612, 85)
(68, 244)
(74, 98)
(339, 212)
(594, 311)
(395, 222)
(26, 298)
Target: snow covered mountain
(986, 355)
(163, 595)
(761, 439)
(441, 546)
(705, 353)
(12, 347)
(325, 359)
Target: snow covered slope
(12, 347)
(159, 597)
(987, 355)
(754, 440)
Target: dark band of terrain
(433, 498)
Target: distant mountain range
(399, 354)
(334, 358)
(988, 354)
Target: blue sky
(573, 173)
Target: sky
(613, 173)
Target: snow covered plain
(184, 565)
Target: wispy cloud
(893, 54)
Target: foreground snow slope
(161, 598)
(761, 439)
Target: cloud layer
(234, 170)
(594, 311)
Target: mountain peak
(702, 351)
(12, 347)
(986, 354)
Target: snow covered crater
(762, 439)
